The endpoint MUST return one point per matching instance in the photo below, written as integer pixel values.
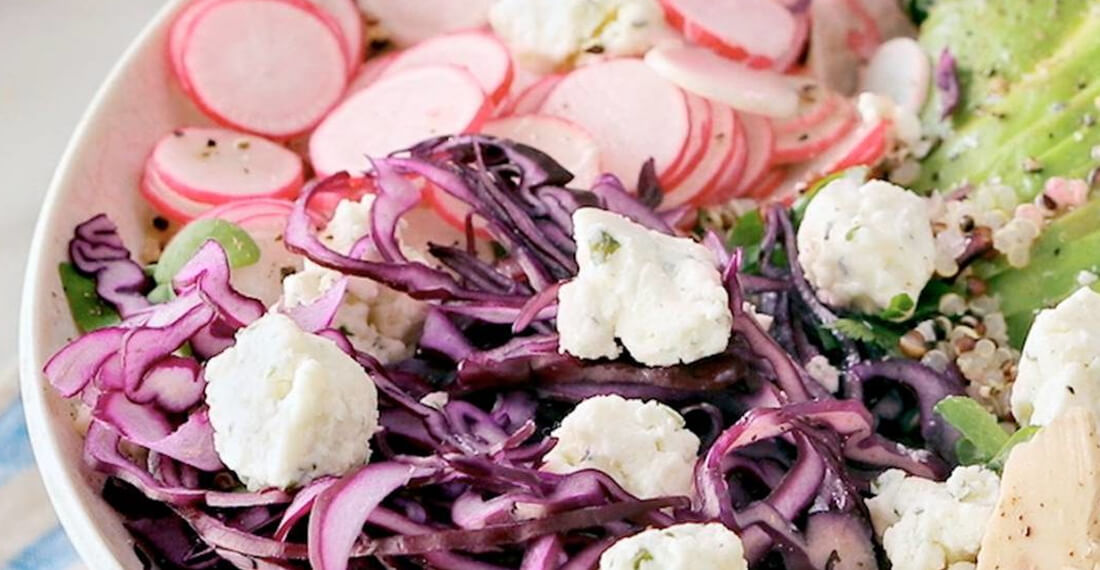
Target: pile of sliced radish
(191, 170)
(722, 115)
(270, 67)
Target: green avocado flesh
(1029, 77)
(1029, 73)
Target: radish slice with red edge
(900, 70)
(241, 211)
(345, 14)
(730, 178)
(177, 36)
(454, 211)
(701, 71)
(631, 111)
(801, 145)
(278, 79)
(719, 151)
(764, 188)
(815, 105)
(369, 72)
(408, 22)
(396, 112)
(702, 123)
(757, 31)
(482, 54)
(865, 146)
(215, 166)
(568, 144)
(531, 99)
(167, 201)
(798, 44)
(760, 141)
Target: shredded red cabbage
(458, 485)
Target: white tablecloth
(53, 56)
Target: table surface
(56, 53)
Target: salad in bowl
(614, 284)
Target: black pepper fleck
(211, 143)
(160, 223)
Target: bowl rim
(83, 530)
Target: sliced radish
(701, 71)
(865, 146)
(570, 145)
(832, 59)
(215, 166)
(396, 112)
(271, 67)
(369, 72)
(522, 79)
(531, 99)
(798, 43)
(242, 210)
(632, 112)
(900, 70)
(482, 54)
(408, 22)
(726, 185)
(884, 19)
(168, 202)
(804, 144)
(816, 104)
(719, 151)
(323, 204)
(760, 141)
(454, 211)
(702, 126)
(758, 31)
(765, 186)
(177, 36)
(345, 14)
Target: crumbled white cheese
(661, 296)
(547, 34)
(763, 319)
(862, 245)
(644, 446)
(288, 406)
(690, 546)
(378, 320)
(819, 368)
(925, 525)
(1060, 363)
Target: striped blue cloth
(30, 537)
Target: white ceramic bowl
(99, 172)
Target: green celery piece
(89, 310)
(978, 427)
(1021, 435)
(239, 246)
(990, 127)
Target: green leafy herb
(899, 309)
(868, 331)
(239, 247)
(983, 441)
(90, 311)
(747, 233)
(1021, 435)
(604, 246)
(641, 557)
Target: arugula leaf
(1022, 435)
(89, 310)
(983, 439)
(747, 233)
(901, 305)
(239, 247)
(868, 332)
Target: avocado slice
(1026, 87)
(1068, 246)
